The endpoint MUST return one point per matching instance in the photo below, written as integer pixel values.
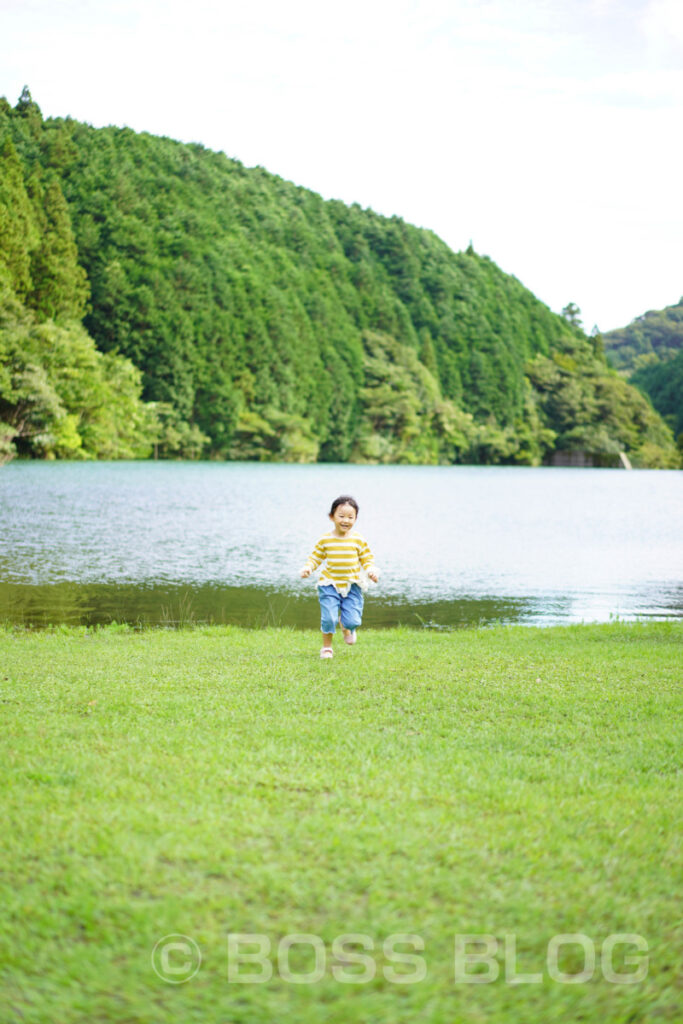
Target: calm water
(168, 542)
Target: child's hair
(344, 499)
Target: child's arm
(368, 562)
(315, 558)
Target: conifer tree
(18, 229)
(60, 288)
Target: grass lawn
(511, 784)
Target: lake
(173, 542)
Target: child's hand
(373, 575)
(305, 572)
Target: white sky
(546, 131)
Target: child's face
(343, 517)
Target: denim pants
(332, 604)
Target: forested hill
(656, 336)
(268, 323)
(650, 353)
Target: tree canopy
(649, 353)
(252, 319)
(656, 336)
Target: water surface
(168, 542)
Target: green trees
(265, 323)
(572, 314)
(593, 410)
(59, 287)
(656, 336)
(59, 396)
(663, 383)
(18, 229)
(649, 352)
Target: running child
(345, 554)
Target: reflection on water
(102, 603)
(222, 542)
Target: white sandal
(326, 652)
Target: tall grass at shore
(509, 784)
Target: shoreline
(643, 624)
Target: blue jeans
(332, 604)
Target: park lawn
(213, 781)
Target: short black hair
(344, 499)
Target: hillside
(60, 397)
(662, 382)
(267, 323)
(656, 336)
(649, 352)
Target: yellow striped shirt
(343, 556)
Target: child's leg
(329, 598)
(352, 609)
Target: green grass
(215, 781)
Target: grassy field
(515, 785)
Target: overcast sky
(548, 132)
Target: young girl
(345, 553)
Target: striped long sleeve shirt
(344, 558)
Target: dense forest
(656, 336)
(159, 297)
(663, 383)
(649, 352)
